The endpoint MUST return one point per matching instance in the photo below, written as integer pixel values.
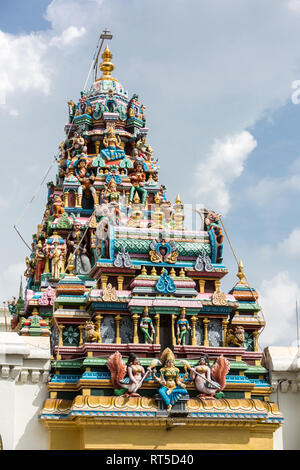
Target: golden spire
(241, 273)
(106, 65)
(178, 201)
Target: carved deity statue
(114, 148)
(182, 327)
(91, 335)
(235, 336)
(79, 249)
(209, 380)
(146, 326)
(171, 387)
(86, 178)
(127, 379)
(58, 206)
(137, 179)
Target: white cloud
(21, 64)
(291, 245)
(278, 297)
(220, 168)
(14, 113)
(67, 36)
(269, 188)
(294, 5)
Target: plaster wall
(133, 437)
(289, 405)
(24, 370)
(284, 369)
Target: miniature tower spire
(21, 289)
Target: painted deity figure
(147, 328)
(111, 197)
(182, 327)
(72, 109)
(29, 271)
(137, 180)
(212, 224)
(209, 380)
(79, 250)
(113, 146)
(58, 206)
(39, 261)
(56, 255)
(86, 178)
(127, 379)
(171, 387)
(77, 143)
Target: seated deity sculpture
(113, 146)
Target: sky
(220, 80)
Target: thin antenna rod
(297, 322)
(105, 35)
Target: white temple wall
(284, 366)
(24, 369)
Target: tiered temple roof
(111, 256)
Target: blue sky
(216, 79)
(19, 16)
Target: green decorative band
(138, 246)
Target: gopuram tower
(147, 350)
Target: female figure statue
(127, 379)
(182, 327)
(113, 146)
(171, 387)
(146, 326)
(208, 381)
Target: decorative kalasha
(115, 273)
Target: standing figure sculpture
(86, 178)
(209, 381)
(127, 379)
(182, 327)
(146, 326)
(137, 180)
(81, 259)
(171, 387)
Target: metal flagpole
(297, 323)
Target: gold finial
(178, 200)
(153, 271)
(71, 264)
(136, 198)
(106, 65)
(241, 273)
(144, 271)
(157, 199)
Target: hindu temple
(147, 350)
